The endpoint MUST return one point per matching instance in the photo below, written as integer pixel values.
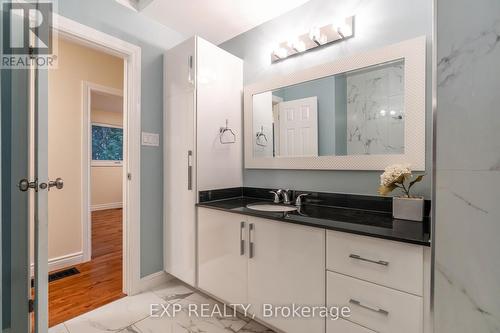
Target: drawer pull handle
(379, 262)
(242, 241)
(361, 305)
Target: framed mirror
(360, 113)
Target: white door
(180, 173)
(298, 123)
(40, 166)
(286, 266)
(222, 255)
(15, 204)
(26, 158)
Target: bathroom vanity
(364, 112)
(319, 255)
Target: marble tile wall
(467, 236)
(375, 111)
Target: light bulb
(315, 36)
(393, 113)
(280, 53)
(383, 112)
(297, 45)
(345, 30)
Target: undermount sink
(266, 207)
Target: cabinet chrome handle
(190, 170)
(379, 262)
(361, 305)
(242, 241)
(190, 70)
(250, 241)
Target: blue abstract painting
(107, 143)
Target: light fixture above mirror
(316, 37)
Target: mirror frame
(413, 52)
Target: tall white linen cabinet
(203, 97)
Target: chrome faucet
(277, 195)
(281, 193)
(298, 200)
(286, 197)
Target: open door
(25, 187)
(15, 204)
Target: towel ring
(224, 130)
(261, 135)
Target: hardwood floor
(100, 280)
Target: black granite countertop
(351, 220)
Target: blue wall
(153, 38)
(378, 23)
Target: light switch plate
(150, 139)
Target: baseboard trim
(113, 205)
(62, 262)
(153, 280)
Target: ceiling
(106, 102)
(216, 20)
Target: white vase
(408, 208)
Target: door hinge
(129, 176)
(31, 305)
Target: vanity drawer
(375, 307)
(344, 326)
(388, 263)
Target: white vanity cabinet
(382, 282)
(222, 255)
(203, 92)
(258, 261)
(286, 267)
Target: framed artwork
(107, 145)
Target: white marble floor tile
(173, 291)
(235, 322)
(255, 327)
(115, 316)
(58, 329)
(132, 315)
(181, 323)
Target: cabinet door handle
(190, 169)
(379, 262)
(361, 305)
(242, 241)
(251, 248)
(190, 70)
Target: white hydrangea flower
(393, 173)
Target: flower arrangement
(398, 176)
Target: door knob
(58, 184)
(24, 185)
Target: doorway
(85, 149)
(96, 90)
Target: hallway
(100, 280)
